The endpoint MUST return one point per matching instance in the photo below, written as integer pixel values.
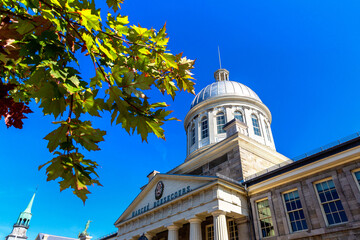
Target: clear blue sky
(301, 57)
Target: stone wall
(252, 163)
(238, 163)
(347, 189)
(230, 168)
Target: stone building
(233, 183)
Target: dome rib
(223, 88)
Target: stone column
(173, 232)
(197, 135)
(195, 229)
(212, 126)
(243, 228)
(220, 226)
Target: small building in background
(22, 224)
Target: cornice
(307, 170)
(199, 107)
(214, 181)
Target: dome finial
(221, 74)
(219, 56)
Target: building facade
(234, 185)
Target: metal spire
(28, 209)
(219, 56)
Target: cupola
(221, 75)
(219, 103)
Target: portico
(202, 211)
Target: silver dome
(224, 88)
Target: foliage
(41, 41)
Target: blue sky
(301, 57)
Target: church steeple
(22, 224)
(25, 216)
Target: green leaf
(159, 132)
(56, 137)
(89, 20)
(122, 20)
(169, 60)
(85, 135)
(25, 27)
(114, 4)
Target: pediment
(162, 189)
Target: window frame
(354, 177)
(206, 232)
(258, 125)
(241, 114)
(321, 205)
(267, 130)
(192, 135)
(287, 213)
(235, 228)
(203, 119)
(258, 217)
(217, 123)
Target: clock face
(159, 190)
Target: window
(264, 214)
(233, 232)
(256, 126)
(210, 232)
(294, 211)
(267, 132)
(220, 122)
(238, 115)
(330, 202)
(192, 135)
(357, 177)
(204, 128)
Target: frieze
(162, 200)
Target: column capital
(194, 220)
(173, 227)
(218, 213)
(149, 235)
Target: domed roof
(224, 88)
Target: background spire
(28, 208)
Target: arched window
(267, 132)
(220, 122)
(192, 135)
(238, 115)
(204, 128)
(256, 126)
